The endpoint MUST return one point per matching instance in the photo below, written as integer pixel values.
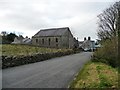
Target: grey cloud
(31, 15)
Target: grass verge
(96, 75)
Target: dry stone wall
(11, 61)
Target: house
(22, 40)
(76, 43)
(26, 41)
(87, 44)
(97, 44)
(80, 44)
(54, 38)
(18, 40)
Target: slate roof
(20, 37)
(52, 32)
(26, 40)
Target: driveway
(54, 73)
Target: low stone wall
(12, 61)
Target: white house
(22, 40)
(87, 44)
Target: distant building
(22, 40)
(87, 44)
(18, 40)
(54, 38)
(26, 41)
(76, 43)
(98, 44)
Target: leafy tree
(11, 36)
(8, 38)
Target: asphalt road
(54, 73)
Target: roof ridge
(53, 28)
(52, 31)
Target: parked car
(87, 49)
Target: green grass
(96, 75)
(8, 49)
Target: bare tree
(108, 22)
(109, 33)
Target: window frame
(36, 40)
(56, 40)
(43, 41)
(49, 41)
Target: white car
(87, 49)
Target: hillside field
(14, 50)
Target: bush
(107, 53)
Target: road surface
(54, 73)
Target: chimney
(89, 38)
(84, 38)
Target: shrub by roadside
(108, 53)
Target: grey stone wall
(48, 42)
(12, 61)
(64, 41)
(68, 40)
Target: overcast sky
(27, 17)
